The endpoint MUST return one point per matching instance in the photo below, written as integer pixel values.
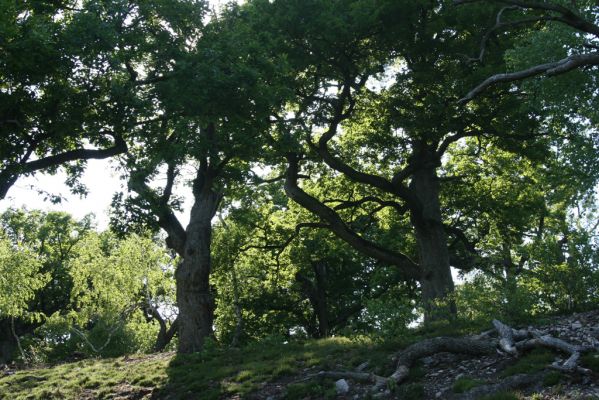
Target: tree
(115, 282)
(87, 90)
(217, 103)
(20, 278)
(275, 274)
(389, 137)
(51, 237)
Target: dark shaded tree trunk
(194, 299)
(165, 335)
(8, 346)
(239, 326)
(436, 282)
(315, 291)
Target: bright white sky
(101, 181)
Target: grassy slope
(213, 374)
(234, 373)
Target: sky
(99, 178)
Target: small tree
(20, 278)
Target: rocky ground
(439, 373)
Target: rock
(438, 395)
(341, 386)
(576, 325)
(362, 366)
(430, 360)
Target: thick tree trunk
(195, 302)
(321, 306)
(436, 282)
(8, 345)
(315, 291)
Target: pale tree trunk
(237, 303)
(436, 282)
(194, 299)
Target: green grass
(322, 390)
(464, 384)
(501, 396)
(535, 361)
(410, 391)
(212, 374)
(552, 378)
(591, 361)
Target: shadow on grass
(272, 368)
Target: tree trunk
(321, 306)
(7, 342)
(436, 282)
(195, 302)
(315, 291)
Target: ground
(276, 370)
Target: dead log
(506, 341)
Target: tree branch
(344, 204)
(159, 204)
(550, 69)
(11, 173)
(408, 267)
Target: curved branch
(550, 69)
(339, 228)
(567, 16)
(321, 148)
(344, 204)
(9, 176)
(159, 203)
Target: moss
(591, 361)
(501, 396)
(552, 378)
(535, 361)
(464, 384)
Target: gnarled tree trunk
(436, 282)
(194, 299)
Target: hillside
(301, 370)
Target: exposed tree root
(509, 341)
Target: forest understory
(542, 365)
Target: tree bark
(194, 299)
(315, 291)
(436, 282)
(7, 342)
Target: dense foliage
(345, 179)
